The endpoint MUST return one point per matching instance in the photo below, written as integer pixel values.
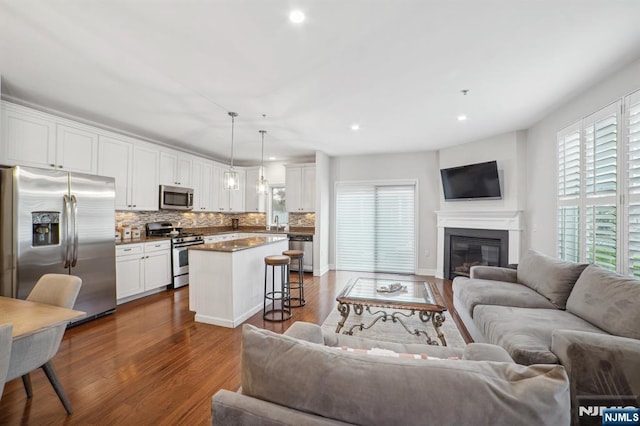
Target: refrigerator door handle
(67, 210)
(74, 202)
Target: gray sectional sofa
(307, 377)
(548, 311)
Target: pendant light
(262, 186)
(231, 180)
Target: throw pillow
(552, 278)
(607, 300)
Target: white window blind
(632, 126)
(569, 162)
(601, 187)
(599, 218)
(375, 228)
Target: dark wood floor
(150, 363)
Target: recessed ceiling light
(296, 16)
(462, 117)
(355, 126)
(272, 158)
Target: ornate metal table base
(436, 319)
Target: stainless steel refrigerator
(53, 221)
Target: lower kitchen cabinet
(141, 268)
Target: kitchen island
(226, 279)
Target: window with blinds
(598, 213)
(600, 149)
(569, 193)
(375, 228)
(632, 124)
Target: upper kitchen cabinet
(76, 150)
(224, 200)
(135, 169)
(300, 187)
(33, 138)
(202, 181)
(175, 168)
(253, 202)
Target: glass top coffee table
(418, 297)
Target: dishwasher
(304, 243)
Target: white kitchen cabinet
(114, 160)
(253, 201)
(300, 187)
(202, 178)
(135, 169)
(129, 270)
(144, 179)
(157, 265)
(142, 267)
(226, 200)
(36, 139)
(175, 169)
(210, 239)
(76, 149)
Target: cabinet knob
(135, 205)
(60, 166)
(52, 165)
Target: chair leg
(57, 386)
(26, 381)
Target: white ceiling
(170, 70)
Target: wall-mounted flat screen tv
(473, 181)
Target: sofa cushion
(485, 292)
(553, 278)
(525, 332)
(608, 301)
(364, 389)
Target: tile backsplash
(193, 220)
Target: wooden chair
(36, 350)
(5, 352)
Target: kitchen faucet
(277, 221)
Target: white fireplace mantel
(508, 220)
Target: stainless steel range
(180, 242)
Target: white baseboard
(425, 271)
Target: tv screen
(471, 181)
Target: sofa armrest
(494, 273)
(306, 331)
(598, 365)
(486, 352)
(232, 408)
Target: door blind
(375, 228)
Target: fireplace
(465, 247)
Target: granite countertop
(217, 230)
(240, 244)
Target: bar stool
(296, 285)
(278, 298)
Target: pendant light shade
(231, 179)
(262, 186)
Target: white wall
(542, 155)
(419, 166)
(509, 151)
(323, 208)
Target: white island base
(226, 279)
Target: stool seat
(277, 260)
(294, 254)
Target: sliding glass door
(375, 227)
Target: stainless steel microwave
(176, 198)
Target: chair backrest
(56, 289)
(6, 340)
